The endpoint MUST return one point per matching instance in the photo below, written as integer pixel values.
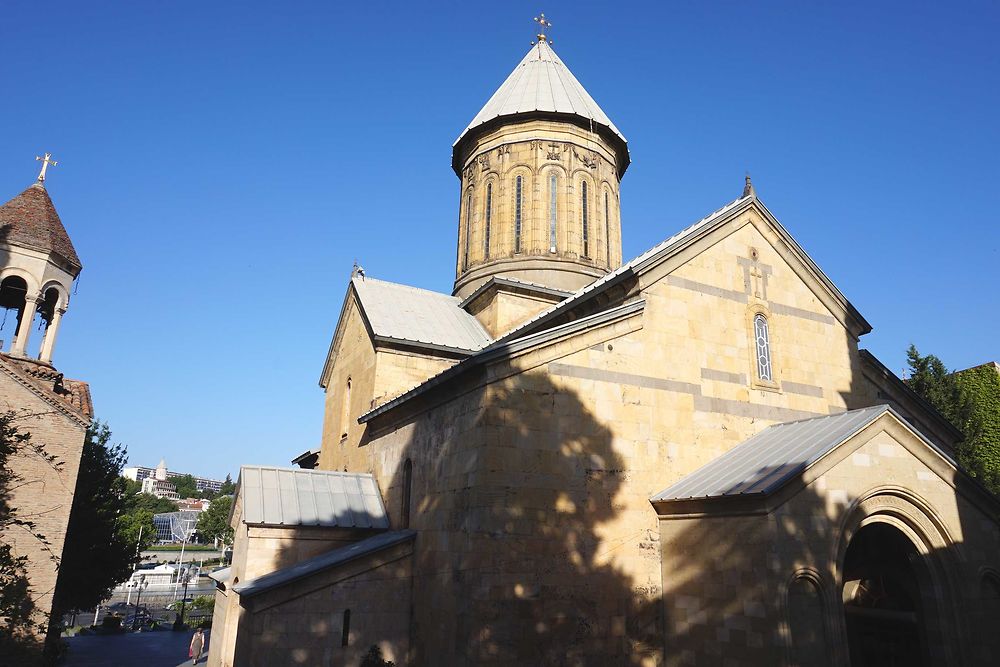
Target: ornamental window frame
(759, 379)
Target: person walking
(197, 645)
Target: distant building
(175, 526)
(193, 504)
(139, 473)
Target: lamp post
(141, 587)
(131, 586)
(187, 578)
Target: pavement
(141, 649)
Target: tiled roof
(298, 497)
(31, 220)
(764, 462)
(541, 83)
(52, 384)
(324, 561)
(413, 315)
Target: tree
(100, 551)
(135, 500)
(20, 626)
(213, 524)
(187, 487)
(228, 486)
(970, 400)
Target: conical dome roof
(30, 220)
(542, 85)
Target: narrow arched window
(404, 521)
(586, 222)
(468, 230)
(553, 184)
(345, 409)
(517, 214)
(763, 344)
(489, 220)
(345, 632)
(607, 229)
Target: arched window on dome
(517, 213)
(468, 229)
(762, 341)
(607, 229)
(489, 220)
(553, 191)
(586, 221)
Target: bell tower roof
(30, 220)
(542, 86)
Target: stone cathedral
(683, 459)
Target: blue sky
(221, 166)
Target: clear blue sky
(221, 165)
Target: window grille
(517, 214)
(489, 219)
(586, 237)
(553, 183)
(763, 343)
(468, 230)
(607, 230)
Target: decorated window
(517, 214)
(763, 344)
(489, 219)
(607, 229)
(586, 222)
(553, 184)
(468, 230)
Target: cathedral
(681, 459)
(38, 266)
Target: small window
(489, 220)
(517, 214)
(345, 634)
(404, 521)
(553, 184)
(763, 344)
(468, 230)
(586, 222)
(345, 409)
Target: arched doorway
(885, 583)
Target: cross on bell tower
(46, 161)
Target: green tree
(228, 486)
(970, 400)
(187, 487)
(213, 524)
(135, 500)
(99, 552)
(20, 624)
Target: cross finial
(46, 161)
(543, 24)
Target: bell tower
(38, 265)
(540, 167)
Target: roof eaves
(498, 350)
(324, 561)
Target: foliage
(213, 524)
(187, 487)
(981, 451)
(20, 624)
(374, 658)
(228, 486)
(100, 549)
(970, 400)
(205, 602)
(136, 500)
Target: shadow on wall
(509, 488)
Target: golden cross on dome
(543, 24)
(46, 161)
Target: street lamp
(186, 577)
(141, 586)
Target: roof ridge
(413, 288)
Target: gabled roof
(412, 317)
(296, 497)
(766, 461)
(30, 220)
(72, 397)
(324, 561)
(542, 84)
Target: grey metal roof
(413, 315)
(322, 562)
(765, 461)
(541, 82)
(221, 576)
(297, 497)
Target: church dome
(541, 86)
